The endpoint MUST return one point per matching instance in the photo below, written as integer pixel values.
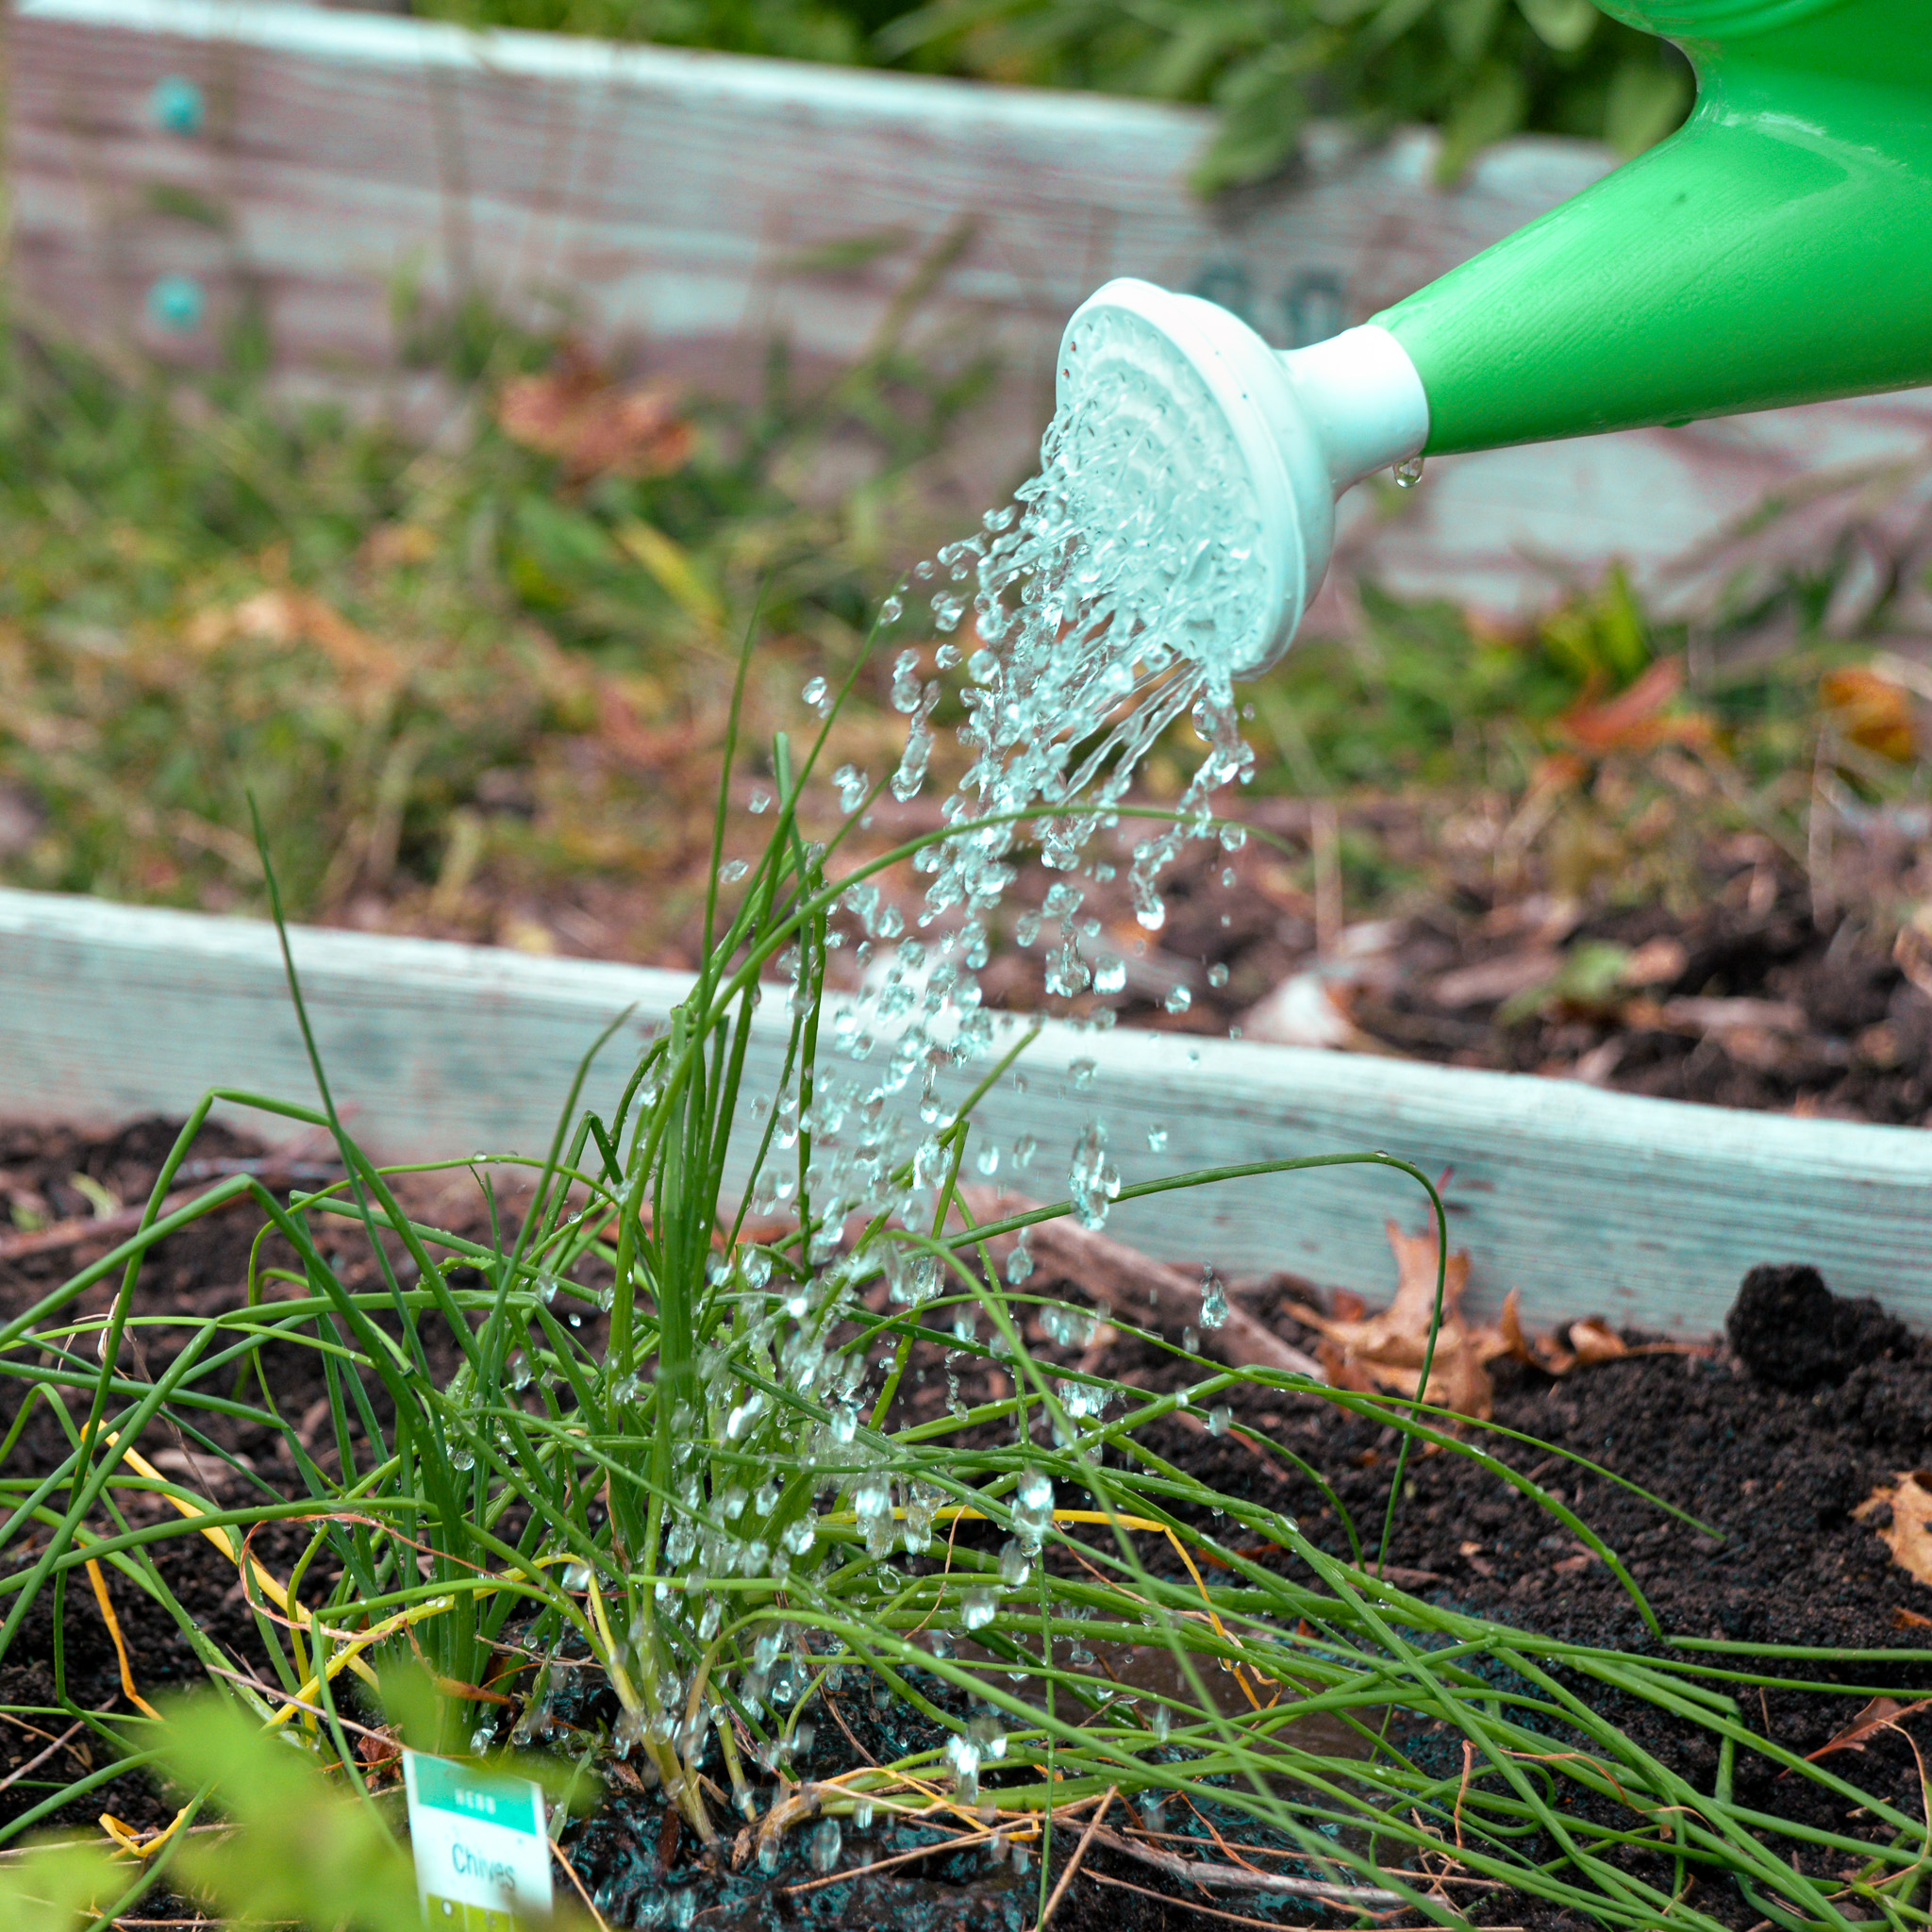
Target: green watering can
(1776, 249)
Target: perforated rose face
(1158, 496)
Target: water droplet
(1157, 1140)
(1093, 1180)
(1213, 1299)
(760, 799)
(1409, 472)
(818, 694)
(821, 1845)
(1179, 1000)
(852, 786)
(1219, 1419)
(732, 870)
(891, 609)
(977, 1608)
(1217, 974)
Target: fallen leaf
(1595, 1342)
(1490, 980)
(1881, 1714)
(597, 427)
(1388, 1350)
(299, 617)
(1903, 1619)
(1908, 1533)
(1872, 712)
(1635, 719)
(1308, 1009)
(1591, 1341)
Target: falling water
(1107, 602)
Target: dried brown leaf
(1881, 1714)
(1872, 711)
(1635, 720)
(596, 427)
(1390, 1348)
(1596, 1341)
(1907, 1533)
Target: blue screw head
(177, 304)
(177, 106)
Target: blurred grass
(477, 684)
(426, 664)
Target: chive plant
(715, 1497)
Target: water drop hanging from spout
(1408, 472)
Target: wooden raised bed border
(1648, 1211)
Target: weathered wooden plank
(688, 200)
(1648, 1210)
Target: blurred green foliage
(832, 30)
(1479, 69)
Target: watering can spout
(1777, 249)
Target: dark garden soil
(1738, 984)
(1773, 1438)
(1646, 956)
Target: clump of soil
(1790, 1330)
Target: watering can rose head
(1777, 249)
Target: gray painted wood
(1645, 1210)
(688, 201)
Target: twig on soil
(838, 1718)
(1231, 1918)
(1131, 1285)
(127, 1221)
(19, 1770)
(570, 1872)
(1240, 1879)
(1073, 1864)
(945, 1846)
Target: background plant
(1480, 69)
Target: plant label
(482, 1855)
